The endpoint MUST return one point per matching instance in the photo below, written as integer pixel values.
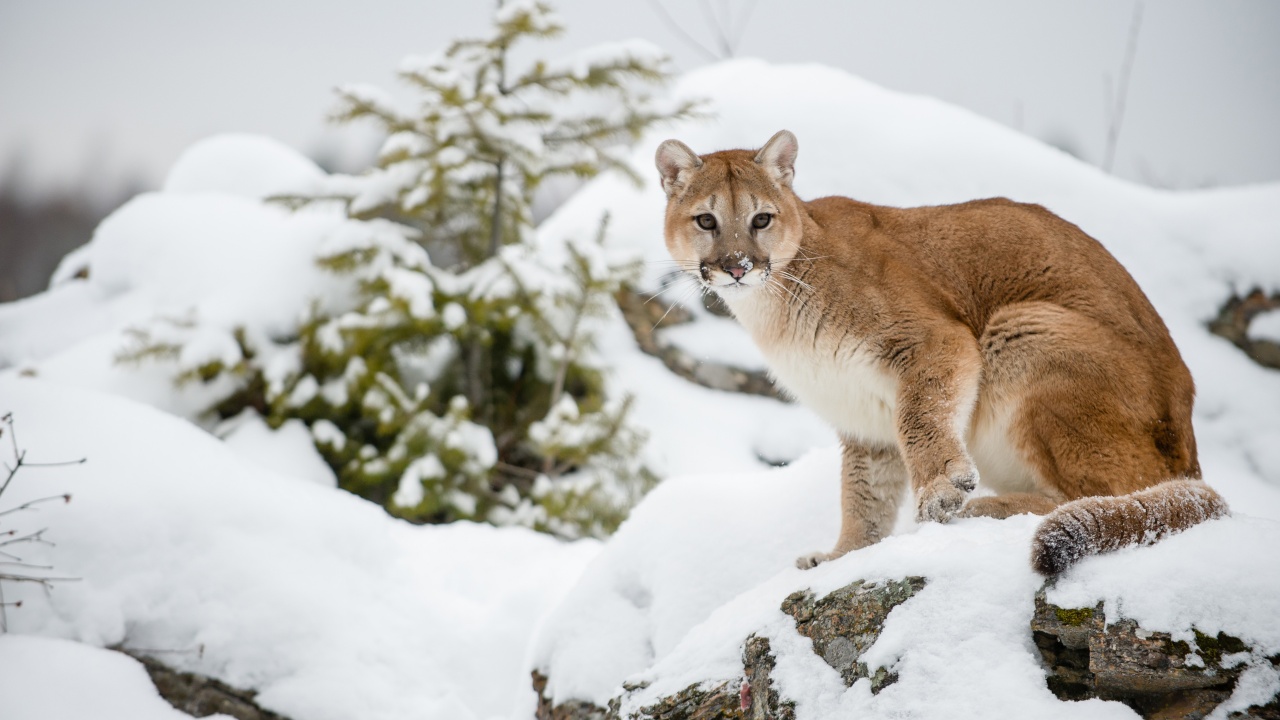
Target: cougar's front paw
(964, 479)
(813, 560)
(939, 501)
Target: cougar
(987, 339)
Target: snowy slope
(310, 595)
(706, 560)
(61, 680)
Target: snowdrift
(311, 596)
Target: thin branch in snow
(1116, 105)
(675, 27)
(35, 537)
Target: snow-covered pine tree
(464, 382)
(462, 162)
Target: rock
(570, 710)
(845, 623)
(757, 696)
(1157, 676)
(201, 696)
(644, 314)
(696, 702)
(1087, 657)
(1233, 321)
(842, 625)
(752, 698)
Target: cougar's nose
(737, 271)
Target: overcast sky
(94, 90)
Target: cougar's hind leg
(872, 484)
(1091, 415)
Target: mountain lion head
(732, 219)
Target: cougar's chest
(829, 371)
(847, 389)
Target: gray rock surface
(1088, 656)
(201, 696)
(846, 622)
(842, 625)
(645, 314)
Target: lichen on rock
(842, 625)
(1089, 656)
(845, 623)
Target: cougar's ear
(778, 156)
(675, 159)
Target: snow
(704, 340)
(330, 608)
(288, 450)
(250, 166)
(580, 64)
(1266, 327)
(311, 596)
(706, 561)
(47, 679)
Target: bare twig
(726, 47)
(32, 503)
(1116, 105)
(675, 27)
(36, 537)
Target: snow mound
(249, 166)
(704, 562)
(46, 679)
(313, 597)
(288, 449)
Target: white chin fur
(723, 283)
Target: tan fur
(988, 338)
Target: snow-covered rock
(704, 563)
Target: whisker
(785, 288)
(794, 279)
(801, 257)
(677, 263)
(672, 306)
(667, 288)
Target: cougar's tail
(1094, 525)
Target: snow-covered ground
(314, 597)
(241, 558)
(706, 561)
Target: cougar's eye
(706, 221)
(761, 221)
